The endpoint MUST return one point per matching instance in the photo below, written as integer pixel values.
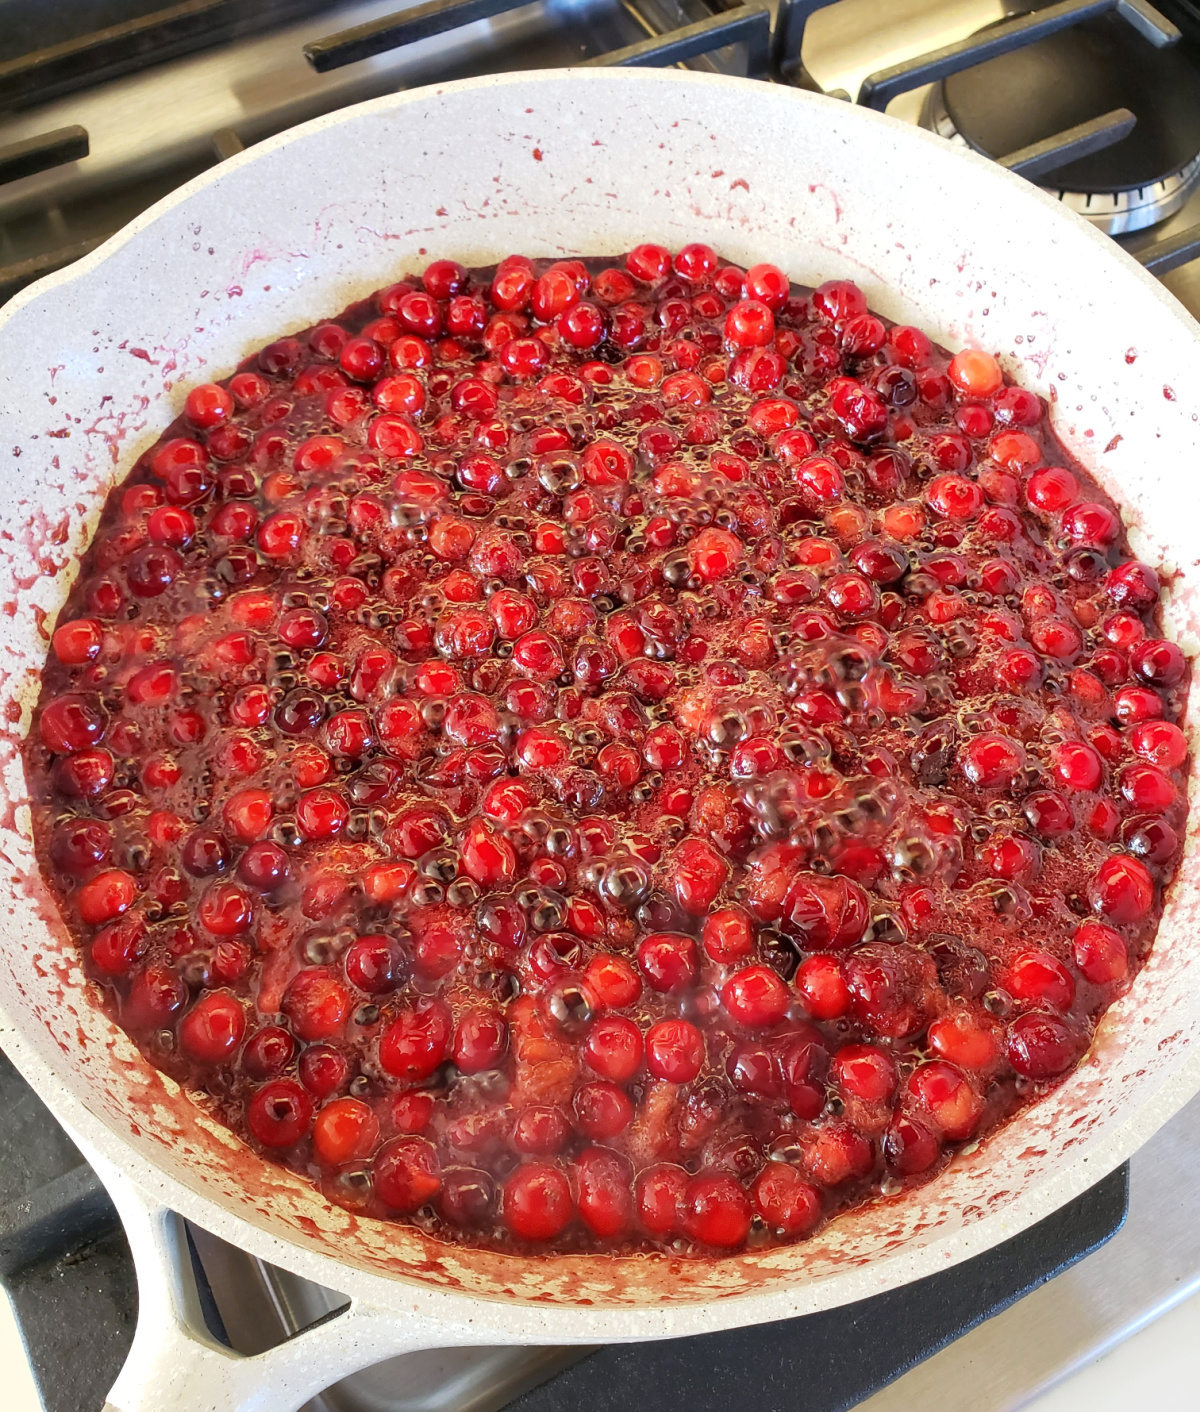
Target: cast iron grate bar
(1070, 144)
(39, 154)
(1170, 252)
(879, 88)
(748, 24)
(138, 44)
(22, 272)
(787, 40)
(364, 41)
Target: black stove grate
(741, 38)
(67, 1269)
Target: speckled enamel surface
(95, 362)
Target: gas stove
(107, 105)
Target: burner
(1077, 74)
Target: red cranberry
(614, 1048)
(213, 1028)
(1121, 890)
(537, 1202)
(467, 1197)
(268, 1052)
(316, 1003)
(374, 964)
(406, 1173)
(602, 1110)
(416, 1041)
(674, 1051)
(785, 1200)
(716, 1211)
(755, 997)
(344, 1130)
(910, 1147)
(323, 1070)
(668, 960)
(71, 722)
(604, 1179)
(1041, 1046)
(279, 1114)
(1158, 662)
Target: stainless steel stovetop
(150, 130)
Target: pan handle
(174, 1363)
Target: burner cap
(1068, 78)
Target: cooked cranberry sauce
(611, 755)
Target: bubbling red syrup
(611, 755)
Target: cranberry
(785, 1200)
(864, 1071)
(1158, 662)
(826, 912)
(755, 997)
(1121, 890)
(416, 1041)
(268, 1052)
(992, 761)
(910, 1147)
(374, 964)
(344, 1130)
(668, 960)
(467, 1197)
(976, 373)
(674, 1051)
(716, 1211)
(480, 1040)
(264, 867)
(155, 996)
(1036, 976)
(279, 1114)
(72, 721)
(964, 1040)
(104, 896)
(602, 1110)
(1041, 1046)
(948, 1098)
(323, 1070)
(822, 988)
(604, 1180)
(1077, 766)
(614, 1048)
(406, 1173)
(316, 1003)
(213, 1028)
(537, 1202)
